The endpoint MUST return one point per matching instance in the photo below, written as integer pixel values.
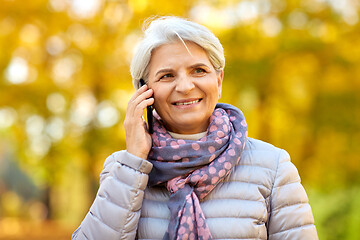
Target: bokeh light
(291, 66)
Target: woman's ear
(220, 77)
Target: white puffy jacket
(262, 198)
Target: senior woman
(198, 175)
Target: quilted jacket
(262, 198)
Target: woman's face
(186, 86)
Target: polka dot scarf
(191, 169)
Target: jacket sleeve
(115, 211)
(290, 213)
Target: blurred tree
(292, 67)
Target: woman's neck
(195, 136)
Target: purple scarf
(191, 169)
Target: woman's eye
(199, 70)
(168, 75)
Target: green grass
(336, 213)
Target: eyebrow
(167, 70)
(199, 65)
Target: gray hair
(169, 29)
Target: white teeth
(187, 103)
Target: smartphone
(149, 110)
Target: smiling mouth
(187, 103)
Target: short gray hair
(169, 29)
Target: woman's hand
(138, 140)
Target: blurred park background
(292, 66)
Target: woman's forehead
(178, 52)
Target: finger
(138, 92)
(147, 94)
(140, 98)
(139, 109)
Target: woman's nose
(184, 84)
